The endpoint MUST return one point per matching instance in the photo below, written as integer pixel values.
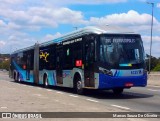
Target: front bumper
(110, 82)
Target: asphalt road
(20, 97)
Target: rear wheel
(118, 91)
(45, 82)
(19, 79)
(15, 77)
(78, 86)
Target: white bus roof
(97, 30)
(84, 31)
(90, 30)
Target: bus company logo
(44, 55)
(6, 115)
(135, 72)
(140, 71)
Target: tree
(154, 63)
(5, 64)
(157, 68)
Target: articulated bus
(91, 57)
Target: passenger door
(89, 51)
(59, 64)
(28, 66)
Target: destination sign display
(72, 41)
(118, 40)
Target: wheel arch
(78, 72)
(76, 75)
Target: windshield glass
(121, 50)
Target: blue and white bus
(91, 57)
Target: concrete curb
(154, 78)
(154, 82)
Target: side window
(68, 56)
(28, 61)
(20, 55)
(52, 57)
(32, 59)
(72, 50)
(101, 53)
(90, 52)
(44, 55)
(77, 54)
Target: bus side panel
(47, 64)
(67, 78)
(22, 72)
(109, 82)
(51, 75)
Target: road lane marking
(92, 100)
(11, 88)
(39, 88)
(73, 95)
(19, 84)
(152, 86)
(3, 107)
(121, 107)
(24, 85)
(56, 100)
(49, 90)
(43, 97)
(154, 90)
(59, 92)
(39, 95)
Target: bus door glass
(89, 54)
(28, 66)
(59, 64)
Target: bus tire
(45, 81)
(78, 86)
(19, 79)
(14, 77)
(118, 91)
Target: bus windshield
(121, 50)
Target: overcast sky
(24, 22)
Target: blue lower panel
(22, 74)
(109, 82)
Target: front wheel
(118, 91)
(78, 87)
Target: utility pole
(150, 55)
(75, 27)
